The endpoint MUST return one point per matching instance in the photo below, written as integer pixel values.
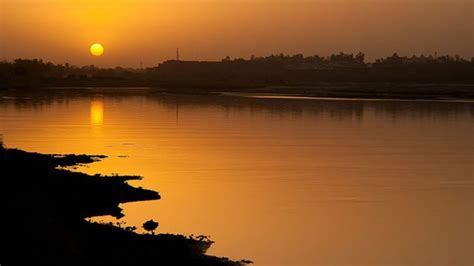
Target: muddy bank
(44, 218)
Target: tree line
(279, 69)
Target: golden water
(277, 181)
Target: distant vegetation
(256, 71)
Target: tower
(177, 54)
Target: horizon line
(249, 58)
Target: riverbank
(401, 91)
(47, 206)
(376, 90)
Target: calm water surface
(277, 181)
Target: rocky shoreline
(46, 217)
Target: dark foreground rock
(44, 211)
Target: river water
(274, 180)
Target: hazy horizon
(150, 31)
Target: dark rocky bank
(44, 219)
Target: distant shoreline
(305, 74)
(395, 91)
(316, 98)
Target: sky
(149, 31)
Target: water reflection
(281, 182)
(341, 110)
(97, 112)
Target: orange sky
(151, 30)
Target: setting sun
(97, 49)
(272, 132)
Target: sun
(97, 49)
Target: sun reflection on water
(97, 112)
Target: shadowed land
(45, 209)
(337, 75)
